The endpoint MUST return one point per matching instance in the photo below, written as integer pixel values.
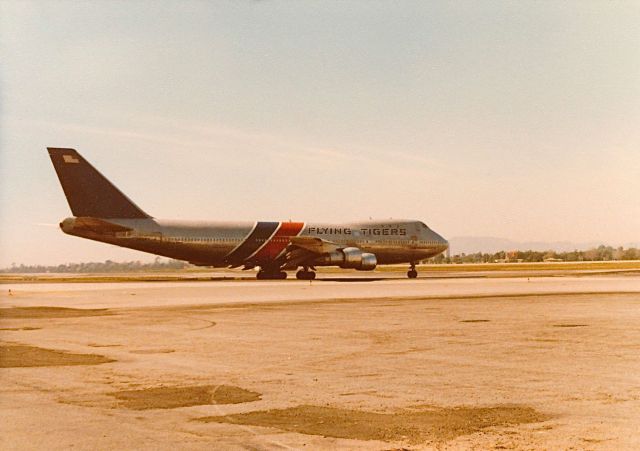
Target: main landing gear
(305, 274)
(276, 274)
(271, 275)
(412, 273)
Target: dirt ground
(540, 364)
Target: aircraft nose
(442, 243)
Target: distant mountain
(488, 244)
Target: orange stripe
(279, 240)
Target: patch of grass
(20, 328)
(49, 312)
(534, 266)
(173, 397)
(439, 424)
(19, 356)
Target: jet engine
(349, 257)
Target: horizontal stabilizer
(98, 226)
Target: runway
(156, 294)
(448, 363)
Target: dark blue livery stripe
(259, 235)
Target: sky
(497, 118)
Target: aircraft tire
(264, 275)
(305, 275)
(412, 274)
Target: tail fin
(88, 192)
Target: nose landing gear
(412, 273)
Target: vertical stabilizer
(88, 192)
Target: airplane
(101, 212)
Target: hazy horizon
(495, 119)
(460, 245)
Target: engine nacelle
(349, 257)
(352, 257)
(368, 263)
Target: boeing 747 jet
(103, 213)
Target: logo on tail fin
(70, 159)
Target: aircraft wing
(314, 245)
(303, 249)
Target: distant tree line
(600, 253)
(100, 267)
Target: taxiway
(541, 362)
